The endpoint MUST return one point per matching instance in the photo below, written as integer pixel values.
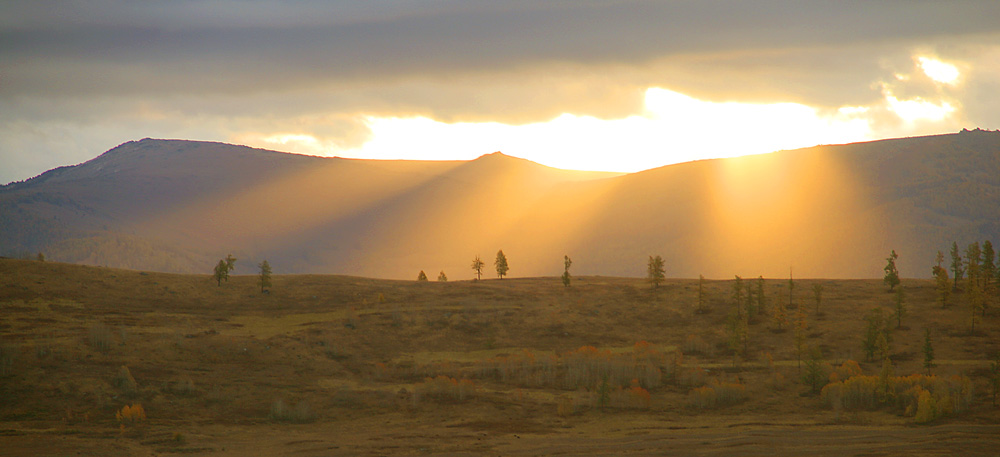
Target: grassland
(334, 365)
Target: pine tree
(975, 299)
(891, 273)
(501, 264)
(989, 264)
(566, 278)
(874, 331)
(654, 271)
(422, 276)
(973, 263)
(928, 351)
(442, 277)
(221, 272)
(942, 283)
(957, 267)
(478, 265)
(264, 277)
(815, 376)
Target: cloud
(98, 73)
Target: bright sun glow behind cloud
(674, 128)
(939, 71)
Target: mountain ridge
(833, 210)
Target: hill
(827, 211)
(341, 365)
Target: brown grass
(491, 367)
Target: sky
(612, 85)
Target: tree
(973, 263)
(221, 272)
(701, 295)
(442, 277)
(654, 271)
(478, 265)
(815, 376)
(738, 295)
(875, 331)
(761, 298)
(566, 278)
(230, 265)
(41, 257)
(422, 276)
(738, 329)
(942, 284)
(818, 295)
(891, 273)
(975, 299)
(800, 334)
(957, 267)
(264, 277)
(900, 307)
(989, 265)
(501, 264)
(791, 289)
(928, 351)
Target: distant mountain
(827, 211)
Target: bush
(130, 416)
(125, 381)
(718, 394)
(100, 337)
(298, 414)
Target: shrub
(100, 337)
(299, 414)
(125, 381)
(130, 416)
(717, 395)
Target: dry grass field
(334, 365)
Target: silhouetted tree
(891, 273)
(791, 289)
(442, 277)
(221, 272)
(566, 278)
(501, 264)
(265, 275)
(478, 265)
(928, 351)
(422, 276)
(957, 267)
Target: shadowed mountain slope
(832, 211)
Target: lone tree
(501, 264)
(566, 278)
(221, 272)
(477, 266)
(654, 271)
(928, 351)
(265, 275)
(957, 267)
(442, 277)
(230, 265)
(422, 276)
(941, 281)
(891, 273)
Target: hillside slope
(827, 211)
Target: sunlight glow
(918, 109)
(674, 128)
(939, 71)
